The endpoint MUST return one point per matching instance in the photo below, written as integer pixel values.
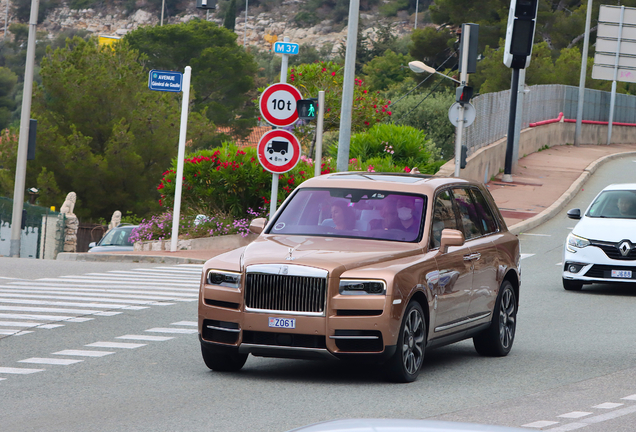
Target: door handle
(473, 256)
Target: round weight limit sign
(278, 151)
(278, 104)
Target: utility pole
(586, 43)
(344, 137)
(23, 142)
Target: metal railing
(541, 102)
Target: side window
(443, 217)
(484, 212)
(467, 213)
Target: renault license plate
(626, 274)
(287, 323)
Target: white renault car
(602, 246)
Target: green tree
(222, 72)
(388, 69)
(230, 16)
(8, 80)
(432, 46)
(101, 132)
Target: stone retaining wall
(204, 243)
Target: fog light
(574, 268)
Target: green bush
(398, 145)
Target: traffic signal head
(307, 109)
(520, 33)
(463, 94)
(206, 4)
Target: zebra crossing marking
(84, 353)
(50, 361)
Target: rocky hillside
(279, 22)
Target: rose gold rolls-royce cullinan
(360, 265)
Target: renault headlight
(362, 287)
(223, 278)
(575, 241)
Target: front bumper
(595, 266)
(352, 327)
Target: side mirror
(91, 245)
(574, 213)
(258, 225)
(450, 237)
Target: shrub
(399, 145)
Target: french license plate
(287, 323)
(627, 274)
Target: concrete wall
(490, 160)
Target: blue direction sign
(165, 80)
(286, 48)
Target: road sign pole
(586, 43)
(319, 127)
(23, 142)
(176, 214)
(616, 58)
(460, 120)
(274, 194)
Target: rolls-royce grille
(285, 293)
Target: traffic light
(464, 155)
(473, 48)
(206, 4)
(520, 33)
(307, 108)
(463, 94)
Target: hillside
(279, 18)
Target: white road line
(559, 263)
(630, 397)
(575, 414)
(8, 294)
(537, 235)
(186, 323)
(608, 405)
(51, 326)
(596, 419)
(93, 281)
(524, 256)
(136, 279)
(57, 303)
(107, 313)
(106, 288)
(120, 274)
(539, 424)
(24, 324)
(19, 371)
(173, 330)
(79, 319)
(36, 317)
(50, 361)
(50, 310)
(84, 353)
(66, 288)
(13, 332)
(145, 337)
(115, 345)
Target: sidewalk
(543, 184)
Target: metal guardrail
(541, 102)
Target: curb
(567, 196)
(131, 258)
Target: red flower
(333, 74)
(324, 69)
(389, 112)
(364, 92)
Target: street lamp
(419, 67)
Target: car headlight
(362, 287)
(223, 278)
(575, 241)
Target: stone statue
(115, 220)
(69, 204)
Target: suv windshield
(339, 212)
(614, 204)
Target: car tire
(571, 285)
(406, 363)
(222, 360)
(497, 340)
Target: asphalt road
(574, 355)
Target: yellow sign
(108, 40)
(271, 39)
